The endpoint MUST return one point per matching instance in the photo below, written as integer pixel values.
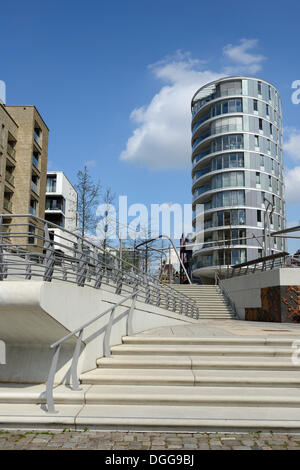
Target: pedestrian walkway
(88, 440)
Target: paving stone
(241, 448)
(19, 439)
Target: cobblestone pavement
(69, 439)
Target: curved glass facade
(236, 143)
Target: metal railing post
(28, 267)
(49, 255)
(106, 341)
(119, 282)
(50, 381)
(148, 293)
(81, 268)
(129, 327)
(74, 365)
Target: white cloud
(245, 61)
(292, 145)
(162, 137)
(292, 185)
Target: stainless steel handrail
(75, 259)
(106, 347)
(218, 282)
(277, 260)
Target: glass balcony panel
(35, 162)
(34, 187)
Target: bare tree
(109, 220)
(88, 194)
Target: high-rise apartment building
(237, 170)
(61, 207)
(26, 164)
(23, 163)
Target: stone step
(234, 340)
(189, 377)
(196, 363)
(153, 418)
(225, 316)
(196, 350)
(188, 418)
(176, 395)
(35, 394)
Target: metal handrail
(218, 282)
(106, 347)
(263, 264)
(80, 261)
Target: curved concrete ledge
(35, 314)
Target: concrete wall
(34, 314)
(245, 291)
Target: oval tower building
(237, 171)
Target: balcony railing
(201, 155)
(218, 130)
(200, 173)
(7, 205)
(35, 162)
(11, 151)
(201, 121)
(9, 178)
(199, 139)
(37, 138)
(200, 191)
(34, 187)
(32, 210)
(229, 92)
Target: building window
(225, 180)
(34, 183)
(238, 256)
(33, 206)
(259, 87)
(258, 217)
(262, 161)
(270, 181)
(225, 107)
(232, 142)
(267, 110)
(255, 105)
(55, 203)
(233, 217)
(51, 184)
(228, 160)
(37, 134)
(35, 159)
(257, 179)
(256, 141)
(260, 121)
(228, 199)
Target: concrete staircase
(210, 301)
(189, 383)
(234, 382)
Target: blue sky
(110, 77)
